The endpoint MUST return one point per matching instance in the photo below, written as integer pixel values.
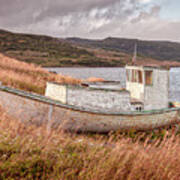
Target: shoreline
(93, 66)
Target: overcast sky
(144, 19)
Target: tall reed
(28, 152)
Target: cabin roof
(146, 67)
(103, 86)
(101, 83)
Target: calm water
(118, 74)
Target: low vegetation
(54, 52)
(28, 152)
(28, 77)
(111, 52)
(160, 50)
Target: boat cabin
(148, 87)
(105, 96)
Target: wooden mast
(135, 55)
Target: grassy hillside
(48, 51)
(160, 50)
(28, 77)
(75, 52)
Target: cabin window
(137, 76)
(128, 74)
(133, 75)
(149, 77)
(140, 77)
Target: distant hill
(160, 50)
(48, 51)
(75, 52)
(43, 50)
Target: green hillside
(160, 50)
(48, 51)
(75, 52)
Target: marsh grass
(28, 77)
(28, 152)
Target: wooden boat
(40, 110)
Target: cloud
(20, 13)
(48, 8)
(154, 12)
(87, 18)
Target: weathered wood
(39, 110)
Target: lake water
(118, 74)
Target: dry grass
(28, 76)
(28, 152)
(34, 153)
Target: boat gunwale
(47, 100)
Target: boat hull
(39, 110)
